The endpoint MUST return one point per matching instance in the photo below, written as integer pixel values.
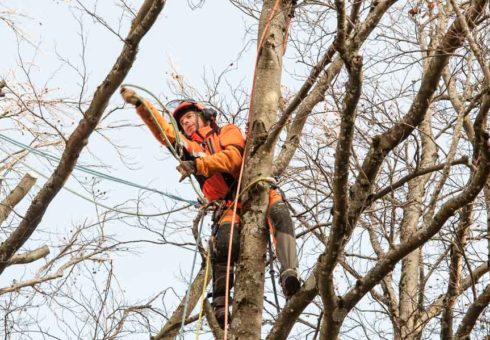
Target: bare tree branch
(340, 191)
(472, 314)
(29, 256)
(19, 192)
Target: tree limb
(16, 195)
(384, 143)
(386, 264)
(29, 256)
(436, 306)
(415, 174)
(171, 327)
(472, 314)
(340, 223)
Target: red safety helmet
(179, 107)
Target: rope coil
(178, 140)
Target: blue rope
(96, 173)
(97, 203)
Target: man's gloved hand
(129, 96)
(186, 168)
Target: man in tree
(214, 156)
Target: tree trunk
(408, 289)
(249, 291)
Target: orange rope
(230, 245)
(230, 241)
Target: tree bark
(249, 289)
(340, 223)
(408, 288)
(455, 273)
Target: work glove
(129, 96)
(186, 168)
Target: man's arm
(156, 127)
(167, 128)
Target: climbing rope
(191, 277)
(271, 239)
(235, 204)
(178, 139)
(203, 294)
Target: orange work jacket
(218, 154)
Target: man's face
(190, 122)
